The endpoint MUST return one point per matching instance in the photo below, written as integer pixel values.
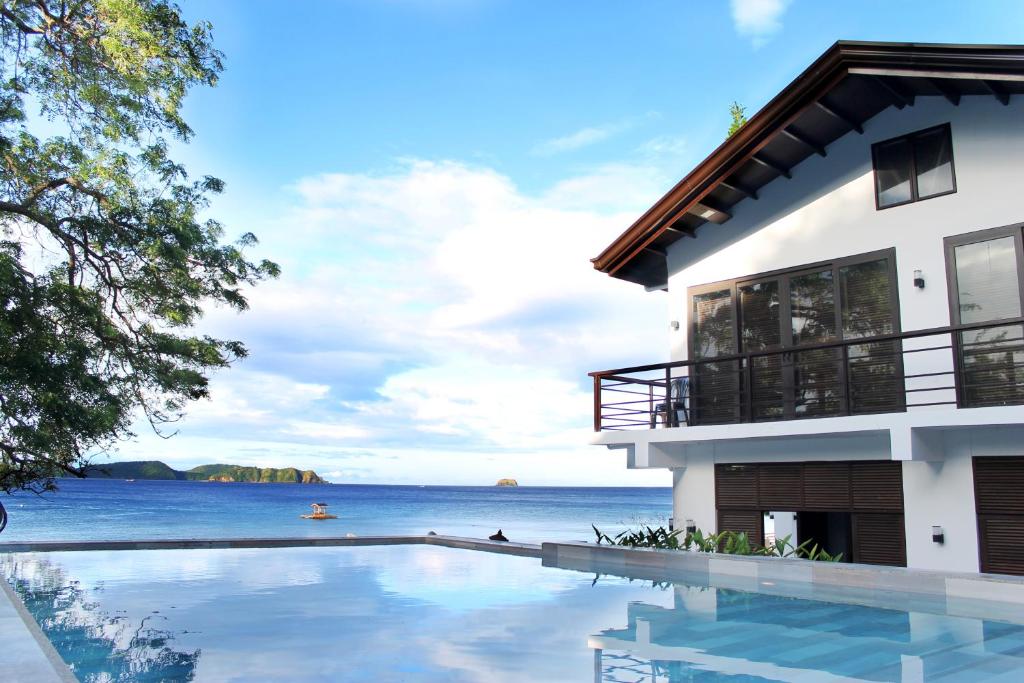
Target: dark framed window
(985, 272)
(914, 167)
(773, 315)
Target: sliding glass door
(772, 317)
(714, 394)
(985, 286)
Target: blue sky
(433, 177)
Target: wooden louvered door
(827, 485)
(879, 539)
(736, 498)
(750, 522)
(853, 507)
(999, 501)
(879, 536)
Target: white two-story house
(845, 277)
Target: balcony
(961, 366)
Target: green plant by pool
(727, 542)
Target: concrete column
(693, 495)
(941, 494)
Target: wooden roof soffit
(882, 64)
(994, 88)
(845, 119)
(805, 141)
(949, 93)
(899, 98)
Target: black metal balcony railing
(962, 365)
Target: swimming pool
(425, 613)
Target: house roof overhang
(847, 85)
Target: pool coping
(960, 593)
(44, 664)
(461, 542)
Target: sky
(433, 177)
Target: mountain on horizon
(157, 470)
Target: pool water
(425, 613)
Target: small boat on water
(319, 512)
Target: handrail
(897, 336)
(797, 386)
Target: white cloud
(325, 430)
(590, 135)
(665, 146)
(509, 406)
(433, 324)
(584, 137)
(758, 19)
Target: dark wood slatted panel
(1002, 543)
(877, 486)
(780, 486)
(827, 486)
(879, 539)
(999, 500)
(999, 485)
(736, 486)
(750, 522)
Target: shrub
(725, 542)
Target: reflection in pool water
(95, 640)
(427, 613)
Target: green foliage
(267, 475)
(726, 542)
(154, 469)
(645, 538)
(105, 261)
(737, 117)
(138, 469)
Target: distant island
(154, 469)
(507, 482)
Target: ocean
(104, 509)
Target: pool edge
(61, 671)
(462, 542)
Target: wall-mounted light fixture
(918, 279)
(690, 526)
(674, 324)
(938, 536)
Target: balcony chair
(680, 405)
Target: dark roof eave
(841, 59)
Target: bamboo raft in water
(319, 512)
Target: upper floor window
(914, 167)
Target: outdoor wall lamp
(938, 536)
(690, 526)
(674, 324)
(918, 279)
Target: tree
(105, 260)
(738, 114)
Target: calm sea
(113, 509)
